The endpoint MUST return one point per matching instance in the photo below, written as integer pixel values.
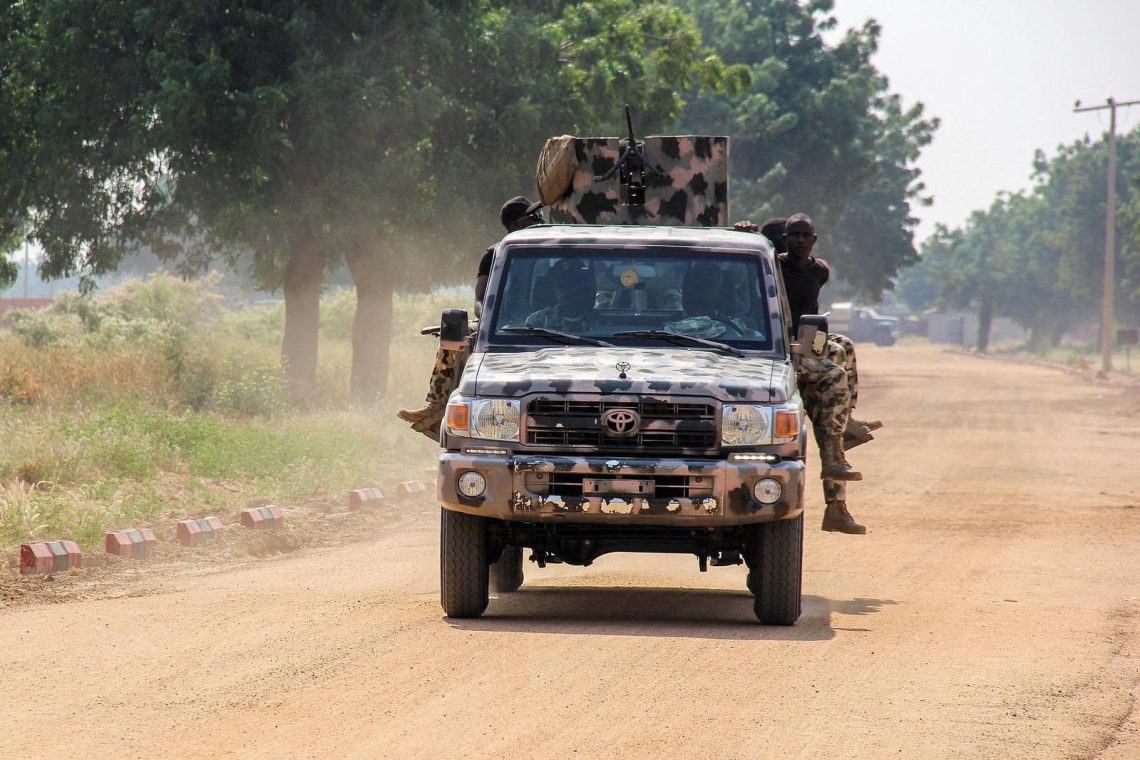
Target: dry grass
(103, 428)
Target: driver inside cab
(702, 295)
(572, 311)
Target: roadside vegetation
(153, 402)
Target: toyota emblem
(621, 423)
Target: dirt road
(993, 610)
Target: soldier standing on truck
(516, 214)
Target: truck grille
(664, 486)
(665, 426)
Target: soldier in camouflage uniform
(840, 348)
(574, 294)
(516, 214)
(829, 386)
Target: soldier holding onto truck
(829, 385)
(516, 214)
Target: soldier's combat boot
(871, 425)
(857, 433)
(833, 465)
(836, 519)
(417, 415)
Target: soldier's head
(519, 213)
(801, 236)
(774, 230)
(701, 289)
(574, 289)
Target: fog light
(472, 484)
(767, 491)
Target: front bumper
(519, 488)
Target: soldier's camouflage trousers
(439, 387)
(827, 401)
(834, 490)
(442, 382)
(841, 350)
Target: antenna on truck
(632, 165)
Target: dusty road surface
(993, 610)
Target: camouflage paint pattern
(512, 493)
(693, 192)
(562, 239)
(660, 372)
(441, 383)
(653, 374)
(834, 490)
(827, 401)
(841, 350)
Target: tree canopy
(1038, 256)
(818, 132)
(302, 135)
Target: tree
(309, 133)
(277, 127)
(818, 132)
(1037, 256)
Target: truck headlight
(745, 425)
(496, 419)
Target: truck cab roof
(635, 235)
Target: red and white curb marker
(49, 557)
(366, 497)
(194, 532)
(134, 543)
(263, 518)
(409, 490)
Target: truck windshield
(602, 293)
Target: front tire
(462, 564)
(775, 554)
(507, 571)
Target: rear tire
(775, 554)
(462, 564)
(507, 572)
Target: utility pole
(1109, 229)
(25, 269)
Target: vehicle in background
(862, 323)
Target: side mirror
(812, 336)
(454, 330)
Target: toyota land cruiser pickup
(628, 389)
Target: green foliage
(104, 433)
(250, 389)
(1037, 257)
(78, 474)
(818, 132)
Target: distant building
(959, 328)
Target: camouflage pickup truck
(629, 388)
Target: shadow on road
(654, 611)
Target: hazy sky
(1002, 75)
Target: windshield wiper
(555, 335)
(681, 338)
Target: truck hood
(669, 371)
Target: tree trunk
(304, 275)
(1057, 333)
(985, 322)
(371, 326)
